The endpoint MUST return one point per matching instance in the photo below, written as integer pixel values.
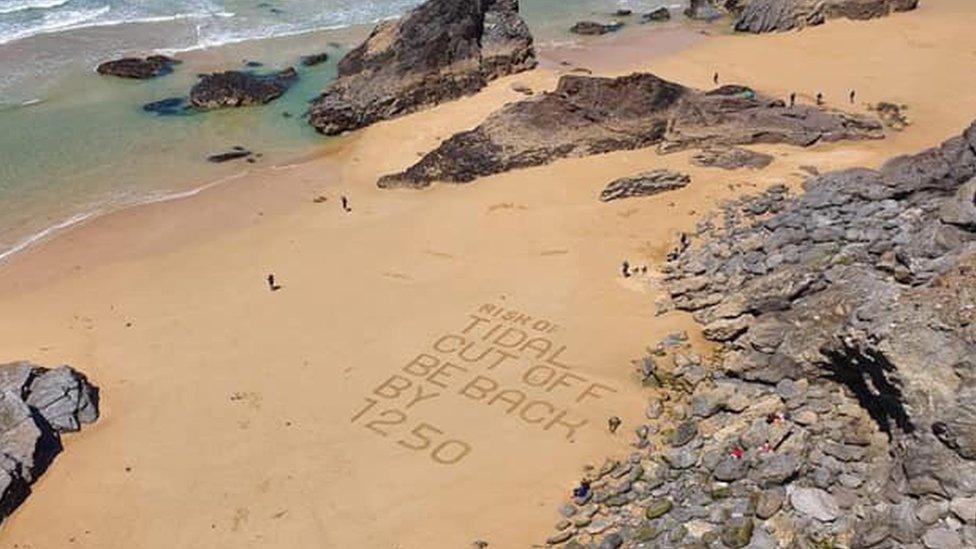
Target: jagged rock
(593, 115)
(660, 14)
(138, 68)
(594, 28)
(36, 405)
(731, 158)
(240, 89)
(437, 52)
(738, 532)
(644, 184)
(891, 115)
(702, 10)
(782, 15)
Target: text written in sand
(500, 360)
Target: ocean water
(74, 144)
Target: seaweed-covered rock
(591, 115)
(138, 68)
(240, 89)
(594, 28)
(437, 52)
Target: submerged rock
(37, 405)
(139, 68)
(781, 15)
(594, 28)
(314, 59)
(592, 115)
(439, 51)
(240, 89)
(644, 184)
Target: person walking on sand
(715, 78)
(271, 283)
(626, 269)
(819, 99)
(614, 423)
(345, 204)
(853, 95)
(792, 99)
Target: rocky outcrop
(240, 89)
(437, 52)
(590, 115)
(731, 158)
(37, 405)
(702, 10)
(644, 184)
(781, 15)
(314, 59)
(840, 409)
(138, 68)
(593, 28)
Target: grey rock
(942, 538)
(644, 184)
(770, 502)
(964, 508)
(731, 158)
(814, 503)
(782, 15)
(240, 89)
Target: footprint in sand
(435, 253)
(553, 252)
(505, 206)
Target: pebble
(684, 433)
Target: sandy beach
(233, 416)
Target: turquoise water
(75, 144)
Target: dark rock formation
(593, 28)
(587, 115)
(314, 59)
(891, 115)
(782, 15)
(841, 408)
(731, 158)
(233, 154)
(240, 89)
(172, 106)
(134, 67)
(37, 405)
(644, 184)
(660, 14)
(437, 52)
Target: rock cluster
(781, 15)
(138, 68)
(644, 184)
(437, 52)
(592, 115)
(240, 89)
(660, 14)
(840, 409)
(37, 405)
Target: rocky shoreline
(839, 408)
(37, 406)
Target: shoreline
(364, 292)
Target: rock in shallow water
(137, 68)
(594, 28)
(240, 89)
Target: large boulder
(37, 405)
(437, 52)
(590, 115)
(240, 89)
(138, 68)
(781, 15)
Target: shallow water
(75, 144)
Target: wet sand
(231, 413)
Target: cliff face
(439, 51)
(781, 15)
(589, 115)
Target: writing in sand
(504, 361)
